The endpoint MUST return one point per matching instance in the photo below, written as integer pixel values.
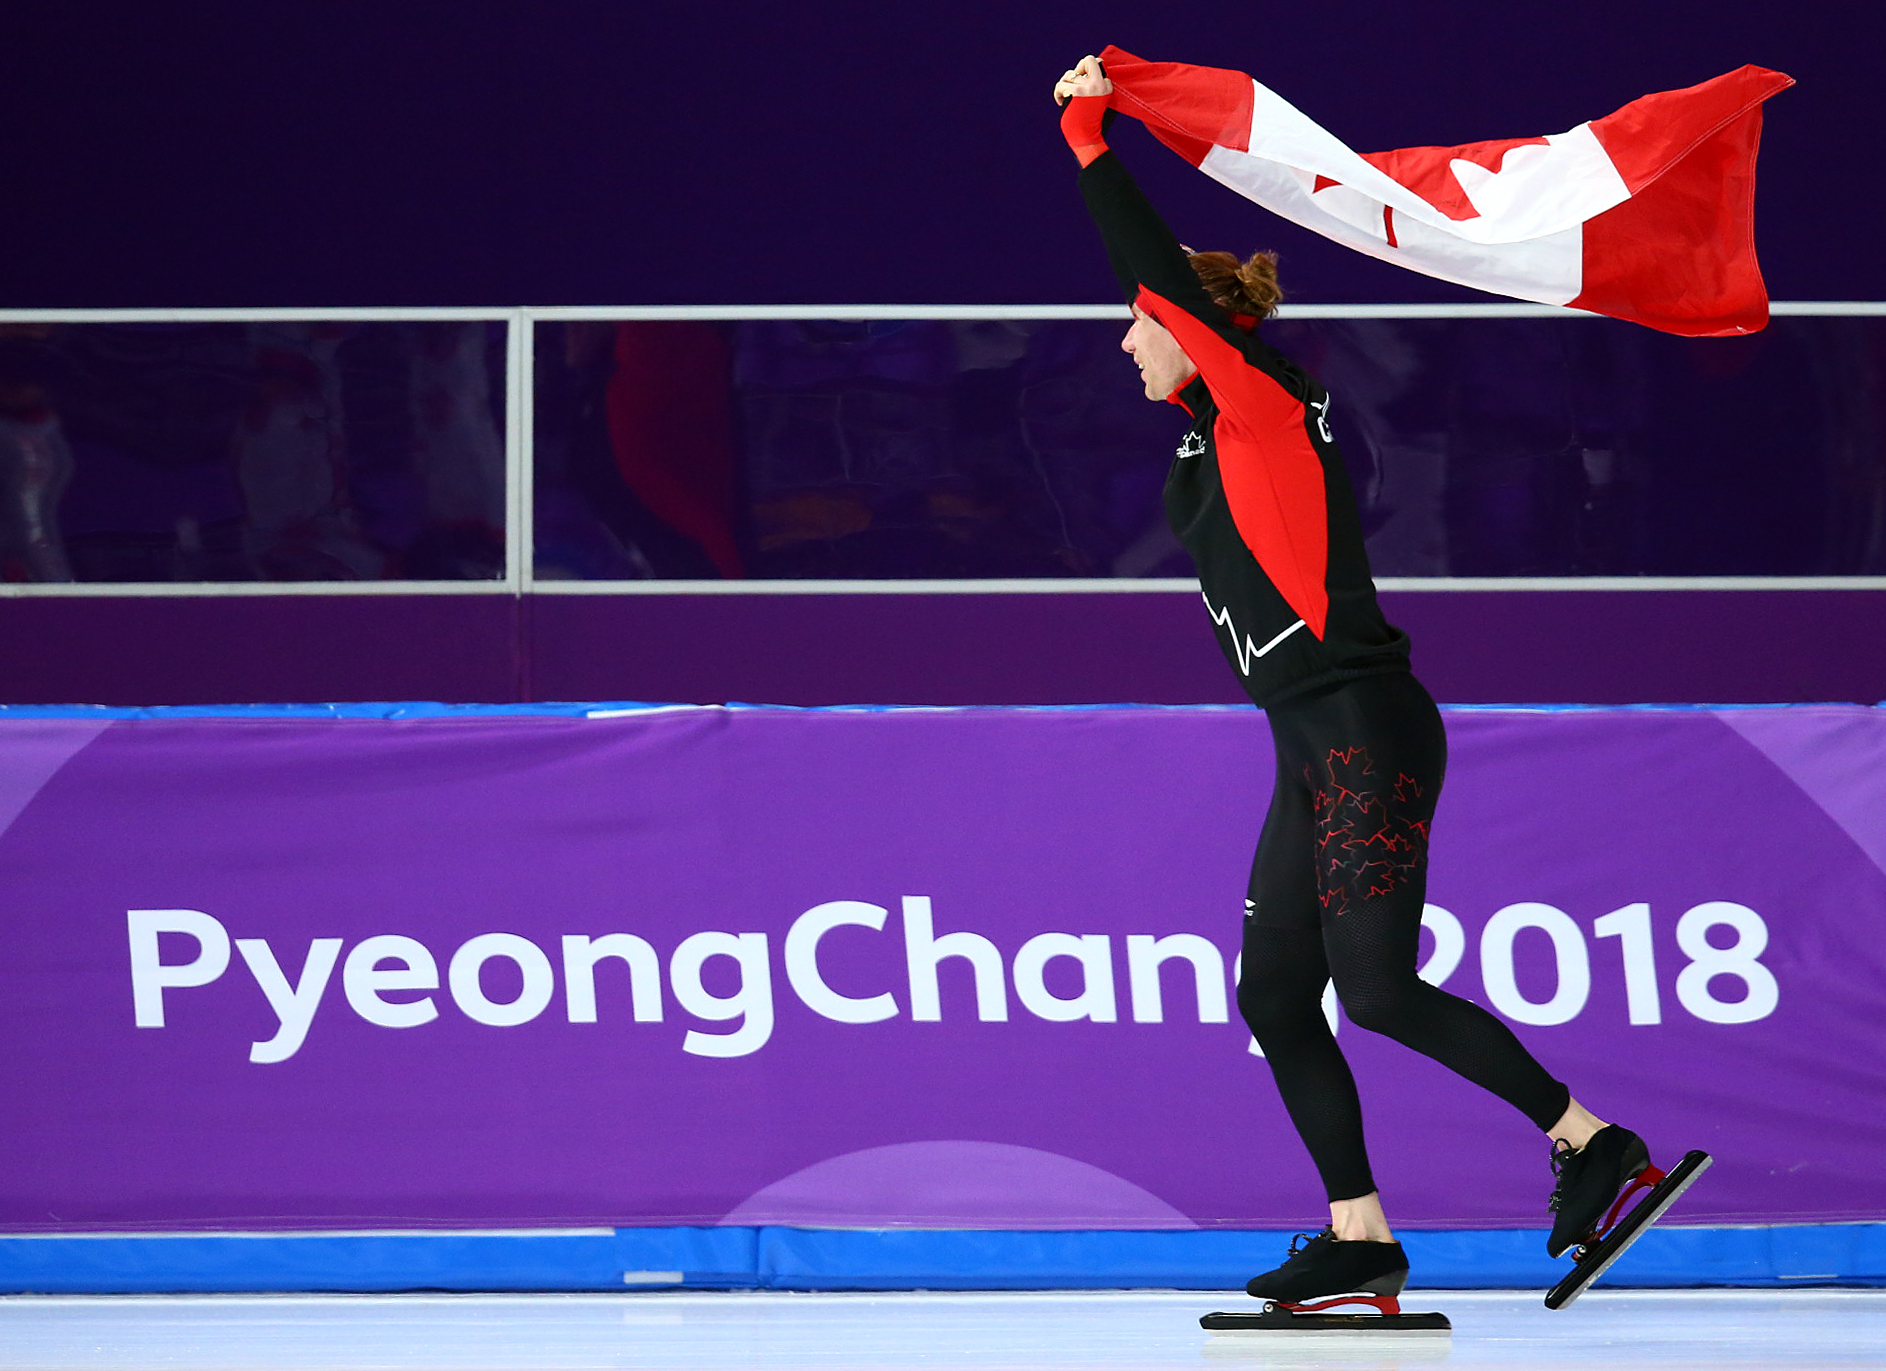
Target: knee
(1257, 1008)
(1382, 1006)
(1277, 1011)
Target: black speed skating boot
(1321, 1265)
(1587, 1182)
(1593, 1252)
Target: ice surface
(1608, 1331)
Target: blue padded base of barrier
(875, 1259)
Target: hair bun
(1247, 287)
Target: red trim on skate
(1643, 1180)
(1383, 1304)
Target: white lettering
(1631, 927)
(1450, 944)
(1143, 958)
(580, 956)
(922, 953)
(390, 980)
(294, 1005)
(1738, 960)
(365, 981)
(468, 990)
(1573, 970)
(1093, 952)
(751, 1002)
(1322, 419)
(802, 962)
(151, 976)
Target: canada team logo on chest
(1192, 445)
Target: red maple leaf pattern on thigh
(1367, 842)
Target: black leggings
(1336, 892)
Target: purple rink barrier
(879, 969)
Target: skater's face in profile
(1163, 365)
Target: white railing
(519, 539)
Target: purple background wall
(432, 153)
(1471, 647)
(587, 151)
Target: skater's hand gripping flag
(1645, 214)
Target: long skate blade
(1275, 1319)
(1628, 1229)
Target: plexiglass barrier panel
(266, 451)
(1001, 449)
(817, 449)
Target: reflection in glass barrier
(263, 451)
(818, 449)
(810, 449)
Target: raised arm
(1154, 272)
(1272, 473)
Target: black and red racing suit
(1259, 497)
(1257, 492)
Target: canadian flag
(1646, 214)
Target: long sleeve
(1271, 468)
(1255, 386)
(1146, 255)
(1156, 276)
(1256, 491)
